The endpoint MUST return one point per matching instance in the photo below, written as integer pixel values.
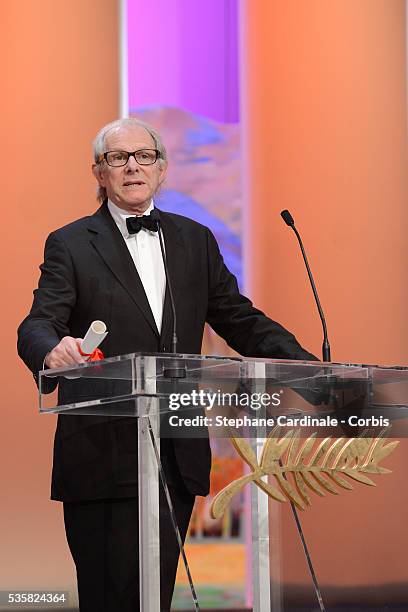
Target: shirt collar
(119, 216)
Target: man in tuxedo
(109, 266)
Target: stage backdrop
(323, 133)
(187, 86)
(59, 86)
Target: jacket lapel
(108, 241)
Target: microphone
(288, 219)
(176, 371)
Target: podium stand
(163, 388)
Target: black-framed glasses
(144, 157)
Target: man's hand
(66, 353)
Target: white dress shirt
(144, 248)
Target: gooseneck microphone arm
(288, 219)
(155, 215)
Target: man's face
(130, 187)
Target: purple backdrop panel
(184, 53)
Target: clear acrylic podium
(194, 394)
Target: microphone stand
(177, 369)
(288, 219)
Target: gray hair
(99, 143)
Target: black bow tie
(135, 224)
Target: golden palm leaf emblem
(314, 467)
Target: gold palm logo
(314, 467)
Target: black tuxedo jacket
(89, 274)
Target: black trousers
(103, 540)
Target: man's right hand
(66, 353)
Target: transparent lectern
(245, 399)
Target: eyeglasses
(144, 157)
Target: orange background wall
(59, 85)
(324, 105)
(325, 135)
(324, 112)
